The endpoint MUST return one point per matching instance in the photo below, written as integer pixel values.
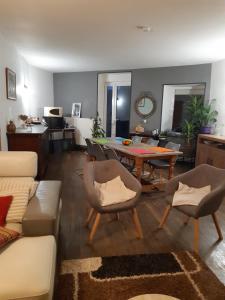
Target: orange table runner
(160, 149)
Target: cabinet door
(203, 155)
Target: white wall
(30, 100)
(168, 107)
(217, 91)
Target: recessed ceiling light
(144, 28)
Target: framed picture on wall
(76, 110)
(10, 84)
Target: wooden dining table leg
(138, 166)
(172, 162)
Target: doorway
(114, 98)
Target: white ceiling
(84, 35)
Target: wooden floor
(118, 237)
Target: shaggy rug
(181, 275)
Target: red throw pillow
(5, 202)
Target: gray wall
(152, 80)
(82, 87)
(76, 87)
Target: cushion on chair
(190, 210)
(113, 191)
(28, 268)
(186, 195)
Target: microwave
(53, 112)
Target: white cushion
(13, 183)
(14, 226)
(18, 164)
(186, 195)
(28, 268)
(113, 191)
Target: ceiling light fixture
(144, 28)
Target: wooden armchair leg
(165, 216)
(217, 226)
(196, 236)
(137, 223)
(91, 212)
(94, 227)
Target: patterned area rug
(181, 275)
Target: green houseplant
(208, 117)
(97, 130)
(188, 130)
(201, 116)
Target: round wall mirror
(145, 106)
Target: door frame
(119, 78)
(114, 86)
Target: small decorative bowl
(127, 142)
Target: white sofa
(27, 265)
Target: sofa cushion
(18, 205)
(5, 202)
(7, 235)
(28, 268)
(15, 183)
(14, 226)
(18, 164)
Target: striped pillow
(18, 205)
(15, 183)
(7, 235)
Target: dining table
(140, 153)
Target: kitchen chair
(152, 142)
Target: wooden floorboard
(118, 237)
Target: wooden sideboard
(211, 150)
(34, 139)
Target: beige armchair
(200, 176)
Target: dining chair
(152, 142)
(161, 164)
(98, 152)
(90, 150)
(198, 177)
(136, 139)
(103, 171)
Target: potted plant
(201, 115)
(97, 130)
(188, 130)
(208, 117)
